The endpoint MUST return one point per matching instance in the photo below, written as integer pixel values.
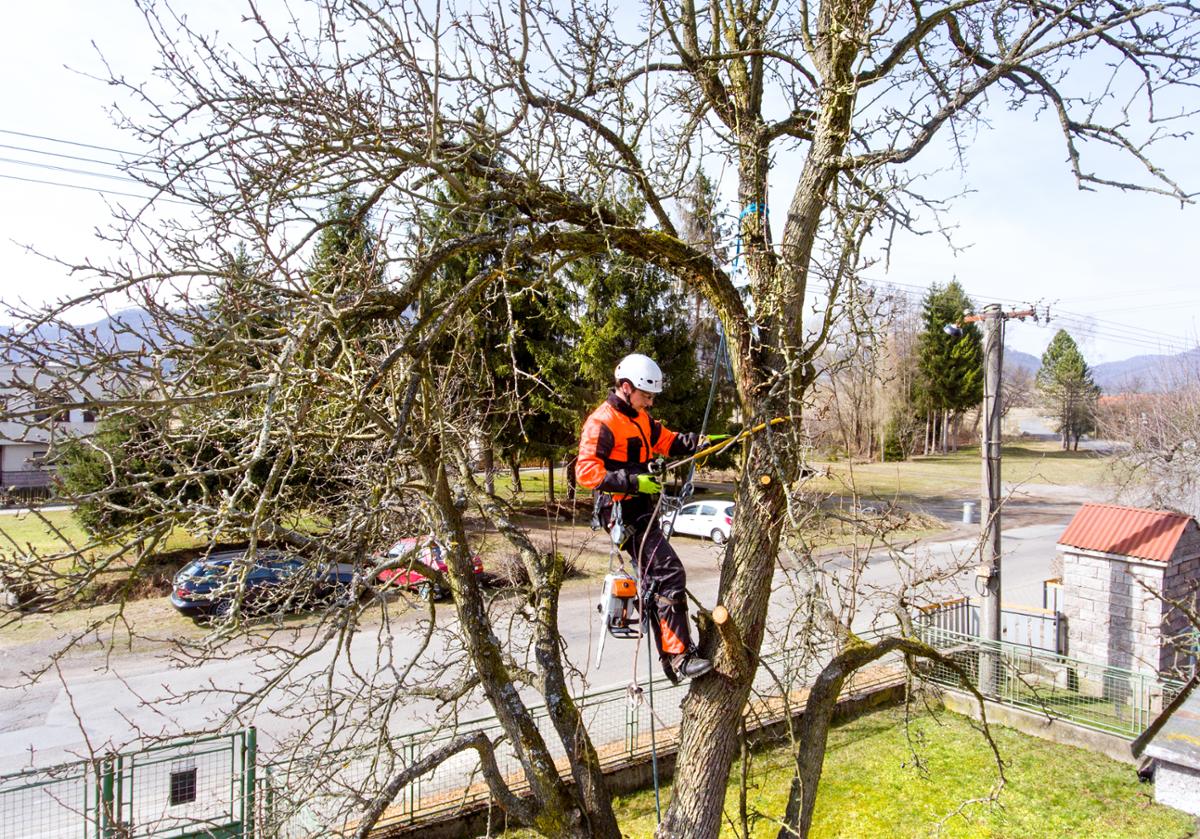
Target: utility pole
(988, 572)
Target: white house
(32, 419)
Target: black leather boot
(690, 666)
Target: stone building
(1124, 570)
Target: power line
(61, 156)
(67, 142)
(99, 190)
(1116, 332)
(69, 170)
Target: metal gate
(1027, 626)
(201, 788)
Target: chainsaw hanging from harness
(619, 607)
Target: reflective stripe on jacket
(617, 443)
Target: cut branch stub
(732, 641)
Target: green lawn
(57, 531)
(23, 531)
(874, 787)
(941, 475)
(1034, 462)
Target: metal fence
(1091, 695)
(209, 787)
(26, 478)
(1043, 629)
(320, 797)
(202, 787)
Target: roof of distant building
(1126, 531)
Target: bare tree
(1159, 463)
(561, 115)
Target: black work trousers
(661, 578)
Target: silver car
(706, 519)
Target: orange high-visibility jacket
(617, 443)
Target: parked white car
(706, 519)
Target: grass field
(873, 786)
(1025, 462)
(959, 472)
(949, 476)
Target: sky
(1117, 270)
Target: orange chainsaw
(619, 609)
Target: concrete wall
(1039, 725)
(1114, 610)
(1177, 786)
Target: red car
(424, 549)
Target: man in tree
(618, 441)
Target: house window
(183, 786)
(89, 415)
(48, 408)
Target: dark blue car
(270, 582)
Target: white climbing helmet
(642, 371)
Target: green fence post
(107, 828)
(249, 780)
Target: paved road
(114, 693)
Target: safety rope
(634, 690)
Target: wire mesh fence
(49, 803)
(1088, 694)
(197, 787)
(623, 727)
(211, 787)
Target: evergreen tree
(950, 368)
(1067, 388)
(347, 255)
(635, 308)
(510, 357)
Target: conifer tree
(1068, 389)
(951, 368)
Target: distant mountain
(1145, 372)
(1014, 359)
(1142, 373)
(128, 330)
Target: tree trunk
(569, 474)
(813, 733)
(514, 467)
(550, 480)
(558, 810)
(487, 460)
(709, 740)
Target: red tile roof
(1128, 531)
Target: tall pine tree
(1068, 389)
(950, 367)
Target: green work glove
(713, 439)
(648, 484)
